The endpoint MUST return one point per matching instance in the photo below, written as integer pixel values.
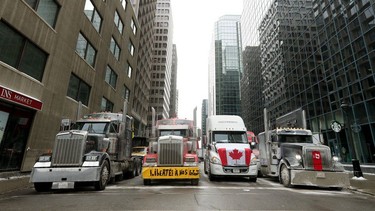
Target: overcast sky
(193, 27)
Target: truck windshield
(92, 127)
(295, 139)
(230, 137)
(173, 132)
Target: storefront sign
(19, 98)
(336, 126)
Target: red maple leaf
(235, 154)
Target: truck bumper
(251, 171)
(320, 178)
(191, 172)
(85, 174)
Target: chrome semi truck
(95, 151)
(172, 153)
(292, 155)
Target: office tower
(173, 112)
(225, 67)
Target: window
(111, 77)
(78, 90)
(106, 105)
(126, 93)
(133, 26)
(115, 49)
(118, 22)
(123, 3)
(93, 15)
(131, 48)
(86, 50)
(18, 52)
(129, 71)
(47, 9)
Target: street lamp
(356, 167)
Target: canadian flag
(317, 160)
(235, 156)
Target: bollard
(357, 168)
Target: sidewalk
(15, 181)
(365, 184)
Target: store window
(15, 124)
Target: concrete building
(204, 116)
(161, 72)
(146, 18)
(53, 55)
(225, 67)
(173, 108)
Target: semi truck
(95, 150)
(228, 150)
(290, 153)
(172, 152)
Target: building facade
(225, 67)
(53, 55)
(173, 108)
(204, 116)
(252, 101)
(161, 71)
(142, 84)
(285, 29)
(343, 78)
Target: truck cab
(228, 151)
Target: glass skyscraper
(226, 67)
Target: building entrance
(15, 124)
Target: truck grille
(324, 154)
(68, 150)
(170, 152)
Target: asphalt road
(224, 194)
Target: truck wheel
(42, 186)
(104, 177)
(285, 176)
(139, 168)
(194, 181)
(252, 179)
(204, 167)
(211, 177)
(146, 182)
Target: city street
(223, 194)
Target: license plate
(320, 175)
(62, 185)
(236, 171)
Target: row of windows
(20, 53)
(79, 90)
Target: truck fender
(283, 162)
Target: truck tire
(104, 176)
(42, 186)
(253, 179)
(211, 177)
(285, 176)
(146, 182)
(194, 182)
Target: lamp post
(356, 166)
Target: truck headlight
(298, 157)
(190, 161)
(150, 161)
(44, 158)
(254, 161)
(91, 158)
(215, 160)
(335, 158)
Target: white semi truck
(290, 154)
(228, 151)
(96, 151)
